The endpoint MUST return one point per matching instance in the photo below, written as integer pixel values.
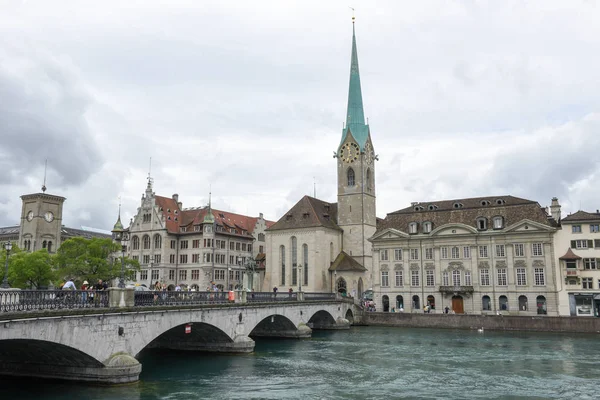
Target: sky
(246, 100)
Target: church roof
(582, 216)
(308, 213)
(355, 115)
(466, 211)
(345, 262)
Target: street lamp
(334, 281)
(8, 248)
(299, 277)
(119, 235)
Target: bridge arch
(276, 325)
(194, 336)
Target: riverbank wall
(487, 322)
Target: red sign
(188, 329)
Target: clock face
(349, 152)
(369, 155)
(48, 216)
(29, 215)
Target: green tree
(92, 259)
(15, 251)
(31, 270)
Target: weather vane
(353, 18)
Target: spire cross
(45, 169)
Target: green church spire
(355, 115)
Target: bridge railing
(176, 298)
(36, 300)
(267, 297)
(319, 296)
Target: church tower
(356, 173)
(41, 221)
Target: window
(368, 179)
(157, 258)
(427, 227)
(135, 243)
(136, 258)
(483, 251)
(196, 244)
(172, 258)
(576, 229)
(398, 255)
(157, 242)
(414, 278)
(146, 259)
(182, 274)
(183, 258)
(468, 281)
(231, 245)
(497, 221)
(350, 176)
(486, 304)
(589, 263)
(220, 274)
(456, 277)
(455, 252)
(412, 228)
(523, 303)
(414, 254)
(484, 276)
(385, 279)
(244, 246)
(540, 279)
(571, 264)
(238, 246)
(399, 278)
(282, 261)
(445, 278)
(587, 283)
(383, 255)
(173, 244)
(305, 259)
(261, 249)
(155, 274)
(502, 277)
(580, 244)
(521, 277)
(500, 250)
(261, 237)
(519, 250)
(231, 259)
(481, 224)
(444, 252)
(594, 228)
(430, 278)
(195, 274)
(466, 252)
(429, 254)
(183, 244)
(536, 249)
(195, 258)
(503, 302)
(172, 274)
(144, 275)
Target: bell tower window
(350, 177)
(368, 179)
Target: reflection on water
(365, 362)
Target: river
(362, 363)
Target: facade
(322, 247)
(194, 246)
(577, 251)
(483, 255)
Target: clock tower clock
(41, 221)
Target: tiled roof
(345, 262)
(308, 213)
(466, 211)
(67, 233)
(9, 230)
(582, 216)
(168, 207)
(569, 255)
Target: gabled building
(476, 256)
(319, 246)
(194, 246)
(577, 250)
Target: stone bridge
(102, 345)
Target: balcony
(571, 272)
(456, 290)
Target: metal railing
(37, 300)
(268, 297)
(176, 298)
(319, 296)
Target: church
(323, 247)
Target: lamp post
(119, 235)
(335, 282)
(8, 248)
(299, 277)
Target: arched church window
(44, 244)
(282, 259)
(305, 259)
(368, 179)
(49, 246)
(146, 240)
(294, 260)
(157, 241)
(350, 177)
(330, 252)
(135, 243)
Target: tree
(15, 251)
(92, 259)
(31, 270)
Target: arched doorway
(431, 302)
(522, 303)
(386, 303)
(399, 302)
(340, 286)
(360, 287)
(503, 303)
(416, 303)
(486, 303)
(457, 305)
(541, 305)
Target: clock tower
(41, 221)
(356, 174)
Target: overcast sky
(464, 99)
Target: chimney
(176, 197)
(414, 203)
(555, 209)
(260, 215)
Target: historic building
(320, 246)
(476, 256)
(194, 246)
(41, 224)
(577, 251)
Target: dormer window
(175, 212)
(168, 210)
(427, 227)
(412, 228)
(432, 207)
(481, 224)
(221, 215)
(499, 202)
(305, 215)
(457, 205)
(419, 208)
(484, 203)
(498, 222)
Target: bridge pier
(303, 331)
(339, 324)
